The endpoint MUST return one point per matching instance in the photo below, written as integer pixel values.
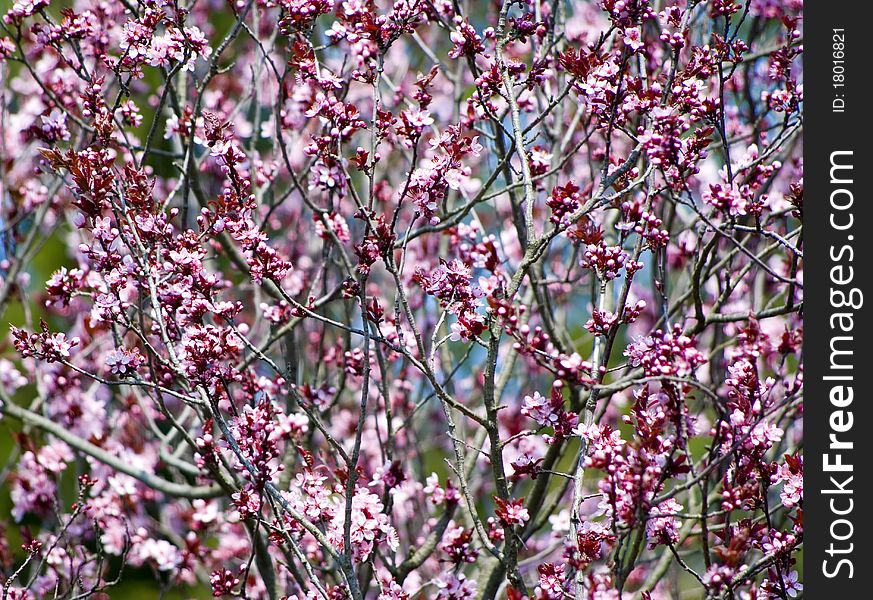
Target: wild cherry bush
(434, 299)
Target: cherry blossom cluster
(284, 284)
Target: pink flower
(10, 378)
(161, 553)
(662, 527)
(124, 362)
(552, 580)
(452, 586)
(633, 38)
(511, 512)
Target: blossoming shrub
(431, 299)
